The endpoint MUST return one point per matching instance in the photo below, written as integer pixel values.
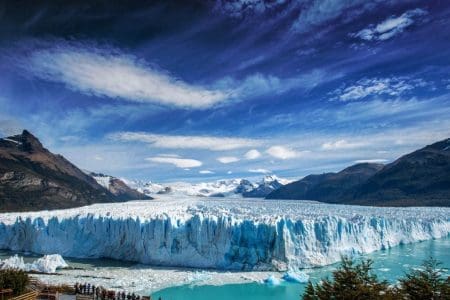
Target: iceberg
(272, 280)
(221, 233)
(13, 262)
(294, 276)
(45, 264)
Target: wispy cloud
(393, 86)
(282, 152)
(390, 27)
(260, 84)
(104, 71)
(176, 161)
(342, 144)
(260, 171)
(187, 142)
(110, 73)
(205, 172)
(227, 159)
(252, 154)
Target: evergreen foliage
(356, 281)
(16, 280)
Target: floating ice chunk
(272, 280)
(13, 262)
(199, 277)
(46, 264)
(294, 276)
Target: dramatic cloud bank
(105, 72)
(187, 142)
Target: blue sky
(200, 90)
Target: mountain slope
(419, 178)
(118, 188)
(328, 187)
(33, 178)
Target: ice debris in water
(296, 276)
(45, 264)
(272, 280)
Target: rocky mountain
(33, 178)
(327, 187)
(263, 188)
(421, 178)
(118, 187)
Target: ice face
(221, 233)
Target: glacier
(222, 233)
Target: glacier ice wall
(223, 234)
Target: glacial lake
(388, 264)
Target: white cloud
(98, 157)
(365, 87)
(390, 27)
(261, 171)
(187, 142)
(252, 154)
(374, 161)
(111, 73)
(282, 152)
(341, 144)
(206, 172)
(178, 162)
(227, 159)
(108, 72)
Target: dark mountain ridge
(420, 178)
(327, 187)
(33, 178)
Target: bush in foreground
(358, 282)
(16, 280)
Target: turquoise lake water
(388, 264)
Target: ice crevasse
(221, 233)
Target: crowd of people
(100, 293)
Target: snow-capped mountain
(220, 188)
(118, 187)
